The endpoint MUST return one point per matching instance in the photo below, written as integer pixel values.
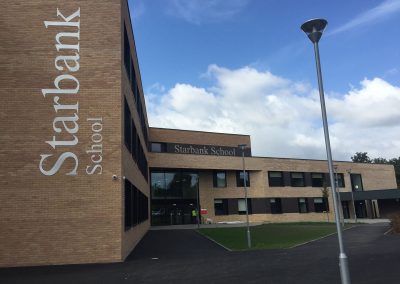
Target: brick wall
(61, 218)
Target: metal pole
(245, 198)
(198, 204)
(343, 261)
(354, 206)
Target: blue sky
(244, 66)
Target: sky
(245, 67)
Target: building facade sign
(208, 150)
(66, 88)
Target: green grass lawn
(269, 236)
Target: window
(297, 179)
(158, 147)
(317, 179)
(219, 178)
(356, 182)
(320, 204)
(221, 206)
(127, 52)
(340, 180)
(276, 205)
(128, 205)
(136, 206)
(242, 206)
(303, 205)
(132, 142)
(127, 126)
(240, 179)
(275, 178)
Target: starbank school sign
(206, 150)
(66, 87)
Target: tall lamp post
(242, 146)
(313, 29)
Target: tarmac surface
(184, 256)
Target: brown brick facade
(374, 176)
(61, 218)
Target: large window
(136, 206)
(356, 182)
(130, 71)
(219, 179)
(303, 208)
(174, 184)
(320, 204)
(221, 206)
(275, 178)
(242, 206)
(240, 179)
(132, 142)
(297, 179)
(317, 179)
(276, 205)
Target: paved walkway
(183, 256)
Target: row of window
(300, 179)
(270, 205)
(130, 70)
(136, 206)
(219, 178)
(295, 179)
(132, 142)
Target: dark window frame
(340, 180)
(305, 203)
(221, 211)
(249, 210)
(277, 209)
(215, 179)
(293, 180)
(240, 181)
(273, 181)
(322, 207)
(317, 182)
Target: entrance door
(346, 210)
(174, 197)
(361, 210)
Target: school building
(83, 176)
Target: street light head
(314, 29)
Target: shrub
(395, 223)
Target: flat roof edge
(199, 131)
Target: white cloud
(380, 12)
(201, 11)
(283, 117)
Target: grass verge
(269, 236)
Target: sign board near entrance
(203, 211)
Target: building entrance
(174, 197)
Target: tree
(380, 161)
(361, 157)
(396, 163)
(325, 196)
